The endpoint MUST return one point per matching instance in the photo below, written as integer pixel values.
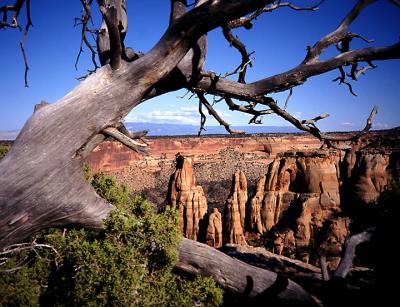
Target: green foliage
(106, 187)
(4, 150)
(129, 263)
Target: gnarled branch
(215, 114)
(350, 251)
(119, 136)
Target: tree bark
(42, 183)
(236, 276)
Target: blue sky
(279, 40)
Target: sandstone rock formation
(285, 243)
(370, 176)
(332, 244)
(255, 207)
(299, 192)
(294, 202)
(214, 229)
(235, 210)
(187, 197)
(311, 178)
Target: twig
(315, 119)
(288, 98)
(85, 18)
(17, 248)
(342, 80)
(246, 22)
(203, 118)
(214, 113)
(235, 42)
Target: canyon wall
(215, 160)
(244, 189)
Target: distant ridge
(8, 135)
(181, 129)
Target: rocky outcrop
(311, 178)
(235, 210)
(333, 241)
(297, 192)
(255, 207)
(187, 197)
(369, 175)
(214, 229)
(285, 243)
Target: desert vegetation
(130, 262)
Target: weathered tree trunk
(236, 276)
(41, 183)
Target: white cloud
(380, 125)
(188, 109)
(348, 124)
(297, 115)
(183, 115)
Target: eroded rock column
(214, 229)
(235, 210)
(187, 197)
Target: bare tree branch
(235, 42)
(214, 113)
(315, 119)
(111, 19)
(203, 118)
(288, 98)
(337, 35)
(178, 8)
(395, 2)
(350, 251)
(22, 44)
(119, 136)
(246, 22)
(17, 248)
(16, 7)
(83, 21)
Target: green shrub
(129, 263)
(3, 150)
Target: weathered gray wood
(41, 182)
(126, 140)
(259, 256)
(350, 246)
(234, 275)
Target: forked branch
(246, 22)
(83, 21)
(215, 114)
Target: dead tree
(42, 184)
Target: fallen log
(238, 277)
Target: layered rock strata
(299, 192)
(214, 229)
(235, 210)
(296, 196)
(187, 197)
